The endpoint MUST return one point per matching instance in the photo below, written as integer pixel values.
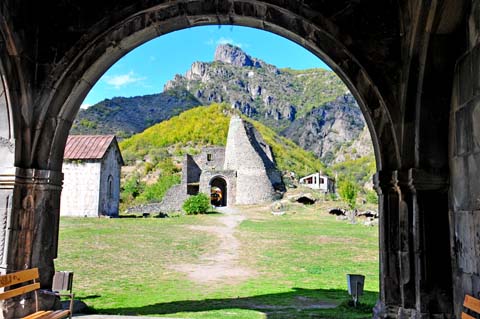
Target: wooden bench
(472, 304)
(29, 279)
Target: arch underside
(363, 43)
(93, 56)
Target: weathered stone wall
(465, 168)
(190, 170)
(110, 182)
(81, 189)
(256, 173)
(217, 158)
(173, 199)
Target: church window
(110, 186)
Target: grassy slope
(203, 126)
(198, 126)
(188, 133)
(122, 266)
(288, 155)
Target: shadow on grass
(88, 297)
(298, 303)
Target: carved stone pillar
(32, 232)
(386, 185)
(414, 245)
(7, 183)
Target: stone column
(386, 185)
(415, 254)
(32, 232)
(7, 183)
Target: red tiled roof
(87, 146)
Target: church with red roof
(91, 184)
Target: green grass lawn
(299, 261)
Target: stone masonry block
(462, 125)
(476, 70)
(475, 124)
(465, 82)
(464, 242)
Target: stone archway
(221, 184)
(397, 58)
(101, 48)
(97, 54)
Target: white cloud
(117, 81)
(85, 106)
(224, 40)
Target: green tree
(348, 191)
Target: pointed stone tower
(258, 180)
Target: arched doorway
(218, 192)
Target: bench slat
(472, 303)
(467, 316)
(23, 277)
(56, 315)
(19, 291)
(18, 277)
(37, 314)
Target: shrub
(197, 204)
(348, 191)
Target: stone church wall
(465, 169)
(110, 183)
(81, 188)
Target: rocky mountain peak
(235, 56)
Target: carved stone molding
(7, 177)
(414, 179)
(383, 181)
(39, 177)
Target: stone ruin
(244, 171)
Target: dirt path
(223, 263)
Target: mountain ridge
(311, 107)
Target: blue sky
(146, 69)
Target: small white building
(319, 181)
(91, 184)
